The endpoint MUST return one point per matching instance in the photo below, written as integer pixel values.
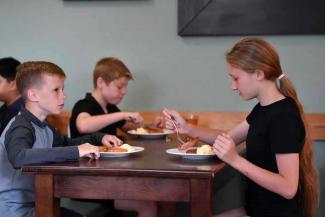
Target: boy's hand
(88, 150)
(159, 122)
(134, 117)
(111, 141)
(174, 118)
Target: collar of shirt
(32, 118)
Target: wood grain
(155, 189)
(44, 195)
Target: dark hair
(8, 66)
(110, 69)
(30, 74)
(253, 53)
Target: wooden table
(149, 175)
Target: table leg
(46, 205)
(201, 198)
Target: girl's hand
(111, 141)
(88, 150)
(173, 116)
(225, 148)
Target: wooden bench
(219, 120)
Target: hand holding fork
(176, 122)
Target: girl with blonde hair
(281, 176)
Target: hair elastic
(281, 76)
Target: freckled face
(242, 82)
(50, 95)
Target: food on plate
(122, 148)
(188, 144)
(155, 130)
(127, 147)
(204, 149)
(111, 149)
(148, 130)
(102, 148)
(141, 130)
(191, 151)
(116, 149)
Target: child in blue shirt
(28, 138)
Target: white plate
(151, 135)
(183, 154)
(135, 149)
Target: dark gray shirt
(27, 140)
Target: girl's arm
(206, 135)
(284, 183)
(239, 133)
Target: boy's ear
(32, 95)
(259, 74)
(100, 82)
(12, 85)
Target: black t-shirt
(273, 129)
(92, 107)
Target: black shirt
(273, 129)
(92, 107)
(8, 112)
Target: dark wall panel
(246, 17)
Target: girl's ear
(32, 95)
(259, 74)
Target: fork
(176, 128)
(132, 119)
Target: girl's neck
(98, 97)
(269, 94)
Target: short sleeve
(251, 116)
(286, 133)
(83, 106)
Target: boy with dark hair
(29, 139)
(9, 95)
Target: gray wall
(171, 71)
